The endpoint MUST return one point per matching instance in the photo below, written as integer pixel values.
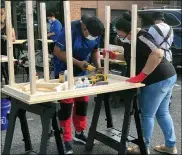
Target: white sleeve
(172, 36)
(152, 31)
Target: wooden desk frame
(116, 83)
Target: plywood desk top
(4, 58)
(116, 83)
(19, 41)
(22, 41)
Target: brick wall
(168, 3)
(100, 6)
(75, 10)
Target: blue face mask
(50, 21)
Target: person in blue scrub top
(54, 30)
(85, 43)
(55, 27)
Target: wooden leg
(25, 131)
(11, 127)
(93, 127)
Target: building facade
(78, 8)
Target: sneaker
(82, 138)
(135, 150)
(68, 148)
(164, 149)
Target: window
(19, 18)
(89, 11)
(171, 19)
(177, 39)
(56, 7)
(23, 19)
(116, 13)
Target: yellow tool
(89, 67)
(95, 75)
(97, 78)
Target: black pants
(51, 48)
(4, 72)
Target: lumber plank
(69, 58)
(106, 41)
(9, 42)
(44, 40)
(31, 48)
(133, 41)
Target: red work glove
(112, 55)
(139, 78)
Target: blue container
(5, 109)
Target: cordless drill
(89, 67)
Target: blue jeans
(154, 101)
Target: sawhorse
(112, 137)
(48, 114)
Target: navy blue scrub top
(55, 27)
(81, 48)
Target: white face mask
(89, 37)
(125, 40)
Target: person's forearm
(52, 34)
(13, 39)
(13, 35)
(62, 55)
(152, 62)
(96, 58)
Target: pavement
(99, 148)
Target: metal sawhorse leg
(48, 114)
(112, 137)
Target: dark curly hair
(124, 23)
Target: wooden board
(19, 41)
(9, 43)
(22, 41)
(69, 57)
(133, 41)
(31, 46)
(116, 83)
(106, 41)
(4, 58)
(114, 61)
(44, 40)
(48, 41)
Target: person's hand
(139, 78)
(48, 35)
(4, 37)
(112, 55)
(81, 65)
(100, 70)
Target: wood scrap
(27, 87)
(44, 86)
